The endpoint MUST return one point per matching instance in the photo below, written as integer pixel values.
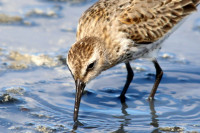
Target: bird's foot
(77, 124)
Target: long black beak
(79, 91)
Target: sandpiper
(118, 31)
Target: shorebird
(118, 31)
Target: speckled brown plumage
(80, 48)
(128, 29)
(144, 21)
(115, 31)
(152, 20)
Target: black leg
(159, 74)
(128, 81)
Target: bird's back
(122, 23)
(143, 21)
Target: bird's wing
(149, 20)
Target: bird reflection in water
(126, 121)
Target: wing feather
(152, 19)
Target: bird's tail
(188, 6)
(196, 2)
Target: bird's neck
(114, 52)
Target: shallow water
(37, 91)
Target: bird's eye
(91, 66)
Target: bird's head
(86, 59)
